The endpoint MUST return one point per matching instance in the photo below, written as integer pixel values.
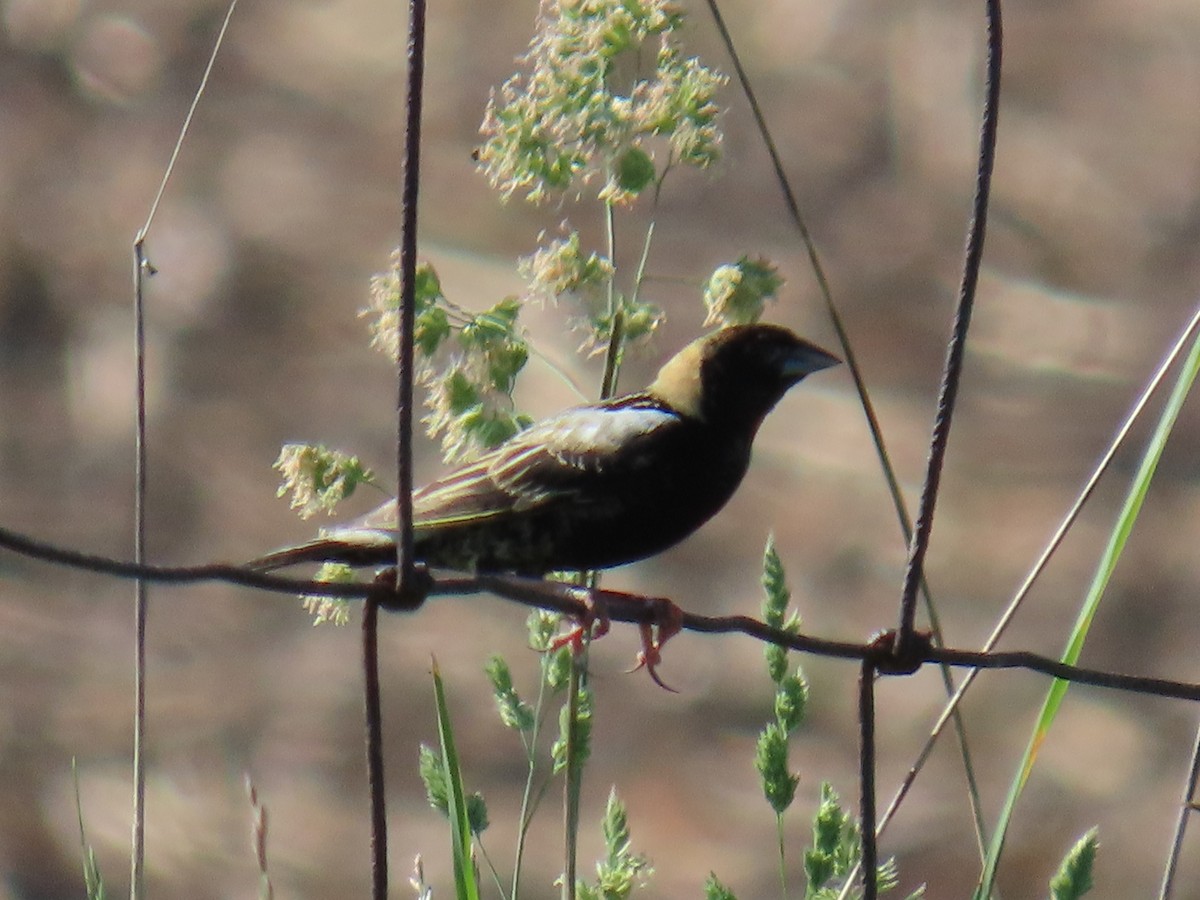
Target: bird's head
(736, 375)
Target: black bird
(599, 485)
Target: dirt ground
(285, 202)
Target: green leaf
(317, 477)
(641, 321)
(777, 662)
(791, 701)
(835, 846)
(465, 880)
(543, 628)
(714, 890)
(615, 827)
(1074, 876)
(583, 732)
(488, 427)
(771, 761)
(562, 267)
(92, 881)
(563, 116)
(433, 776)
(634, 171)
(777, 596)
(621, 869)
(737, 294)
(495, 324)
(427, 288)
(460, 392)
(431, 327)
(514, 712)
(558, 668)
(504, 362)
(477, 813)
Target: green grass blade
(1108, 563)
(93, 883)
(465, 883)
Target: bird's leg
(665, 621)
(593, 623)
(585, 605)
(665, 624)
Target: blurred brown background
(283, 205)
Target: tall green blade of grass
(465, 883)
(93, 883)
(1108, 563)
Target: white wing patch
(584, 437)
(542, 464)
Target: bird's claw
(667, 623)
(594, 623)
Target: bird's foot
(593, 624)
(667, 622)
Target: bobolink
(599, 485)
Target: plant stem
(527, 801)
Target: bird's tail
(354, 547)
(319, 550)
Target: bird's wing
(554, 460)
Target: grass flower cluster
(604, 86)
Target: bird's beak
(806, 359)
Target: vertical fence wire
(952, 371)
(404, 589)
(1187, 809)
(408, 272)
(140, 594)
(374, 737)
(142, 268)
(866, 760)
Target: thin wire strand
(818, 268)
(405, 593)
(142, 267)
(374, 748)
(866, 778)
(1187, 809)
(187, 121)
(889, 472)
(952, 373)
(579, 601)
(140, 593)
(1047, 553)
(408, 277)
(1043, 559)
